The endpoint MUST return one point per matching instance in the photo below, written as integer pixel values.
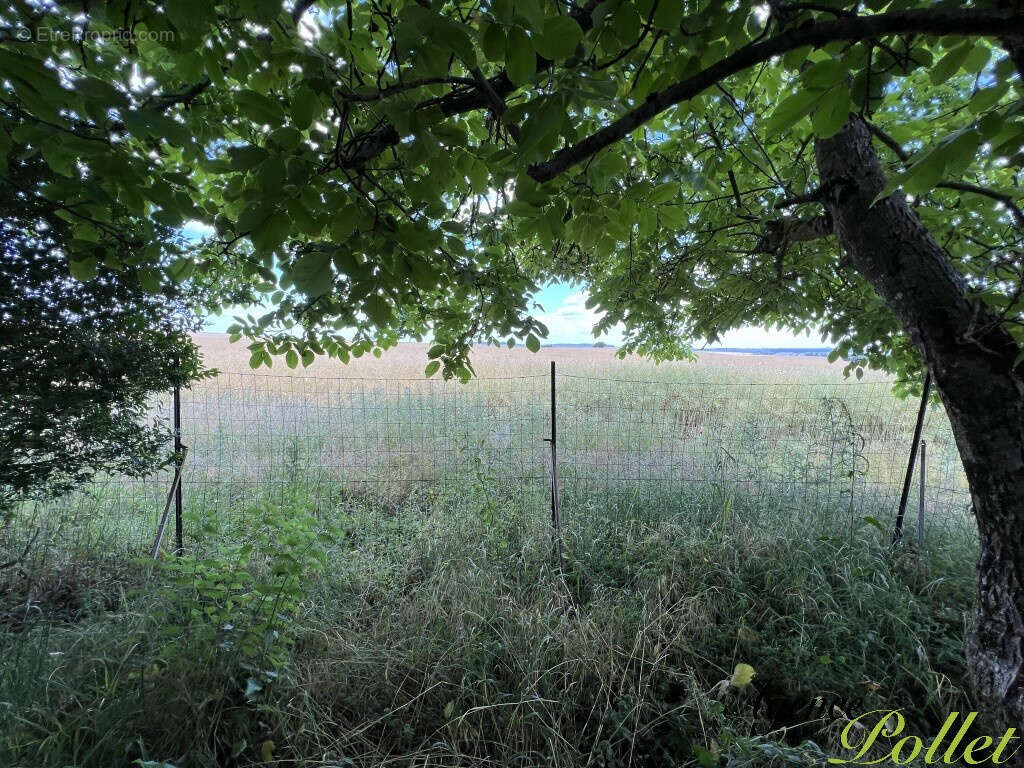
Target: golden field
(407, 361)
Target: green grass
(437, 632)
(705, 526)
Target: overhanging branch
(373, 142)
(926, 22)
(960, 186)
(781, 232)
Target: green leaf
(824, 74)
(558, 38)
(977, 58)
(663, 193)
(291, 359)
(705, 758)
(247, 157)
(377, 310)
(150, 279)
(924, 174)
(84, 269)
(831, 113)
(532, 343)
(190, 16)
(520, 59)
(258, 107)
(456, 39)
(305, 107)
(987, 97)
(949, 64)
(493, 43)
(423, 275)
(873, 521)
(791, 110)
(542, 124)
(263, 11)
(181, 269)
(312, 273)
(270, 233)
(668, 15)
(432, 367)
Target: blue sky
(570, 322)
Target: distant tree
(79, 361)
(417, 169)
(600, 344)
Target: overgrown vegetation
(433, 630)
(80, 356)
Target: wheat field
(408, 360)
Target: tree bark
(974, 363)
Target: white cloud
(571, 322)
(750, 337)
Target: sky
(570, 322)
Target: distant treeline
(791, 351)
(798, 351)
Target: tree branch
(928, 22)
(814, 196)
(301, 6)
(392, 90)
(888, 140)
(161, 103)
(1001, 197)
(373, 142)
(497, 103)
(781, 232)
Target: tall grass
(440, 633)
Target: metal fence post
(179, 533)
(897, 533)
(920, 499)
(556, 514)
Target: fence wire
(812, 446)
(258, 439)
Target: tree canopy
(386, 170)
(80, 361)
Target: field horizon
(409, 359)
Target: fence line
(257, 438)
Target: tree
(416, 169)
(80, 361)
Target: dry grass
(409, 360)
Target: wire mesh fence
(259, 439)
(811, 446)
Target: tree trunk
(973, 361)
